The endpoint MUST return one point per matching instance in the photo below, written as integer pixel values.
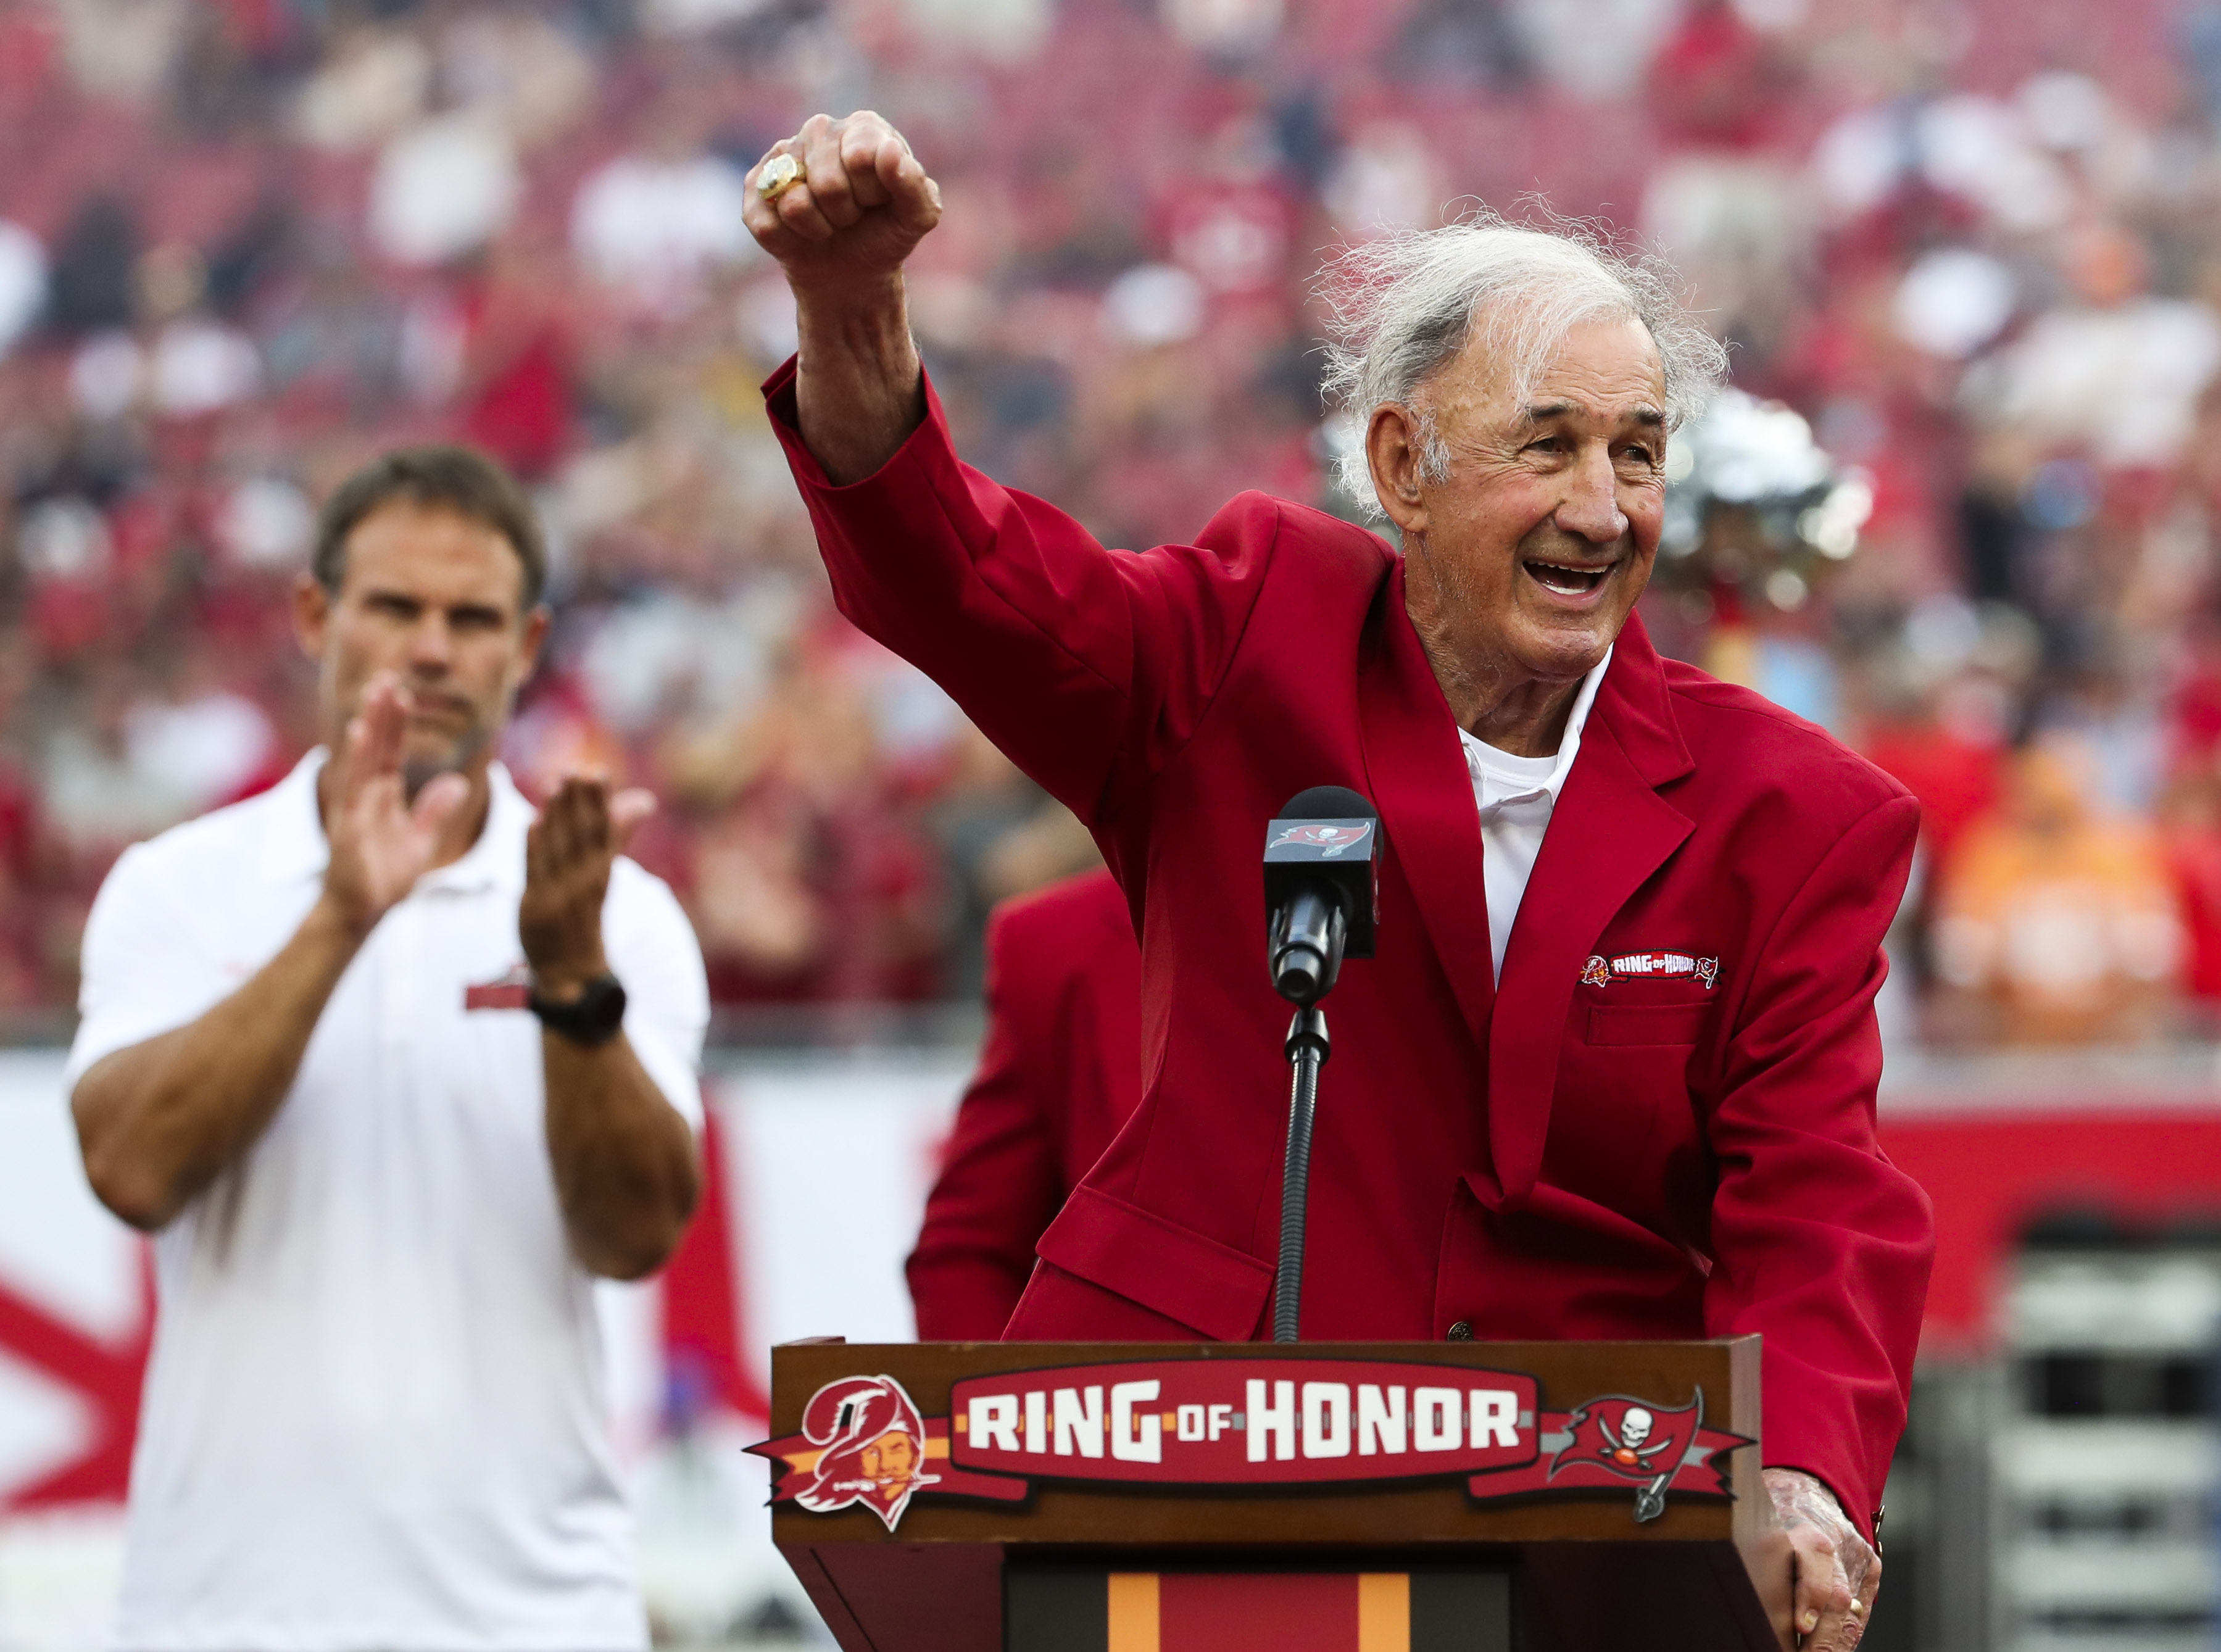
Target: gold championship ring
(780, 174)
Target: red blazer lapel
(1610, 832)
(1414, 768)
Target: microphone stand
(1308, 933)
(1307, 1051)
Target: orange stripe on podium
(1133, 1612)
(1384, 1611)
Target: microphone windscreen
(1329, 803)
(1326, 836)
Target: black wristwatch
(593, 1017)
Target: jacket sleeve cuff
(928, 442)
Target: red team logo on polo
(874, 1448)
(1333, 840)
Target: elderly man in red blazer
(1060, 1072)
(1611, 1079)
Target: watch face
(606, 1005)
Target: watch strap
(595, 1017)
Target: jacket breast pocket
(1647, 1025)
(1172, 1272)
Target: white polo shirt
(374, 1417)
(1516, 797)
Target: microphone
(1321, 854)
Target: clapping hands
(381, 840)
(568, 852)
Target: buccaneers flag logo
(1634, 1440)
(874, 1448)
(1332, 840)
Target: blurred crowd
(1974, 245)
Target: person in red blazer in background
(1061, 1071)
(1611, 1079)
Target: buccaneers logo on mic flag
(1330, 840)
(873, 1445)
(1633, 1441)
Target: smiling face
(1525, 557)
(437, 599)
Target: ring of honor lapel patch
(1601, 971)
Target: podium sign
(1377, 1497)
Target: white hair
(1399, 308)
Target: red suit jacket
(1060, 1072)
(1577, 1151)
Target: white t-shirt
(1516, 796)
(374, 1417)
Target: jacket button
(1460, 1332)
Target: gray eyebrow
(1538, 412)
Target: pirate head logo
(1329, 841)
(1597, 971)
(1634, 1441)
(874, 1448)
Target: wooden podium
(1320, 1497)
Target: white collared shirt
(375, 1414)
(1516, 796)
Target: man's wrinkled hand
(1835, 1573)
(861, 204)
(568, 854)
(381, 841)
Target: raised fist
(861, 203)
